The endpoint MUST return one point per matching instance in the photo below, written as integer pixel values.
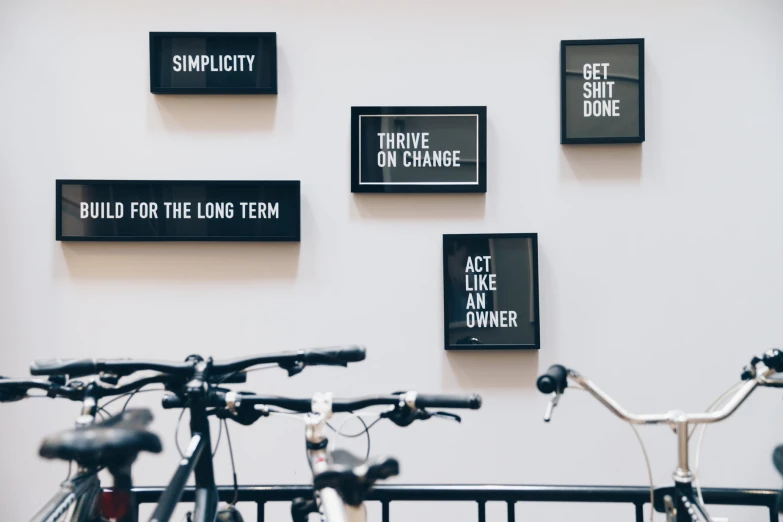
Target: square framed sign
(418, 149)
(602, 91)
(490, 292)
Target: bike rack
(480, 494)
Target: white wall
(660, 265)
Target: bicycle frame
(197, 460)
(75, 502)
(331, 505)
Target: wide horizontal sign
(120, 210)
(213, 63)
(418, 149)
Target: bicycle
(679, 503)
(194, 383)
(341, 481)
(112, 444)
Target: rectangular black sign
(213, 63)
(602, 91)
(490, 291)
(121, 210)
(418, 149)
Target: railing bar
(385, 511)
(773, 514)
(260, 511)
(639, 512)
(482, 511)
(511, 513)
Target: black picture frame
(564, 139)
(155, 80)
(292, 238)
(535, 306)
(357, 186)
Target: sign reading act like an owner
(103, 210)
(418, 149)
(213, 63)
(490, 291)
(602, 91)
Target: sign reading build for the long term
(418, 149)
(103, 210)
(213, 63)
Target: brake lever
(447, 415)
(293, 368)
(243, 415)
(405, 416)
(550, 407)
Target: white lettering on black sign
(598, 91)
(415, 151)
(179, 210)
(219, 63)
(478, 282)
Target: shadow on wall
(181, 261)
(618, 162)
(495, 369)
(419, 206)
(213, 113)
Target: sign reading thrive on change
(103, 210)
(418, 149)
(602, 91)
(213, 63)
(490, 291)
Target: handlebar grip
(464, 402)
(554, 380)
(335, 356)
(71, 367)
(171, 401)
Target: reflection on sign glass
(603, 91)
(178, 210)
(491, 291)
(419, 149)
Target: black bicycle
(341, 480)
(680, 503)
(193, 385)
(112, 443)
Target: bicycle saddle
(112, 442)
(352, 477)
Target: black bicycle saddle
(352, 477)
(114, 441)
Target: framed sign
(418, 149)
(602, 91)
(120, 210)
(490, 292)
(213, 63)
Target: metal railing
(481, 494)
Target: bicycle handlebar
(339, 356)
(551, 381)
(412, 399)
(219, 399)
(16, 389)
